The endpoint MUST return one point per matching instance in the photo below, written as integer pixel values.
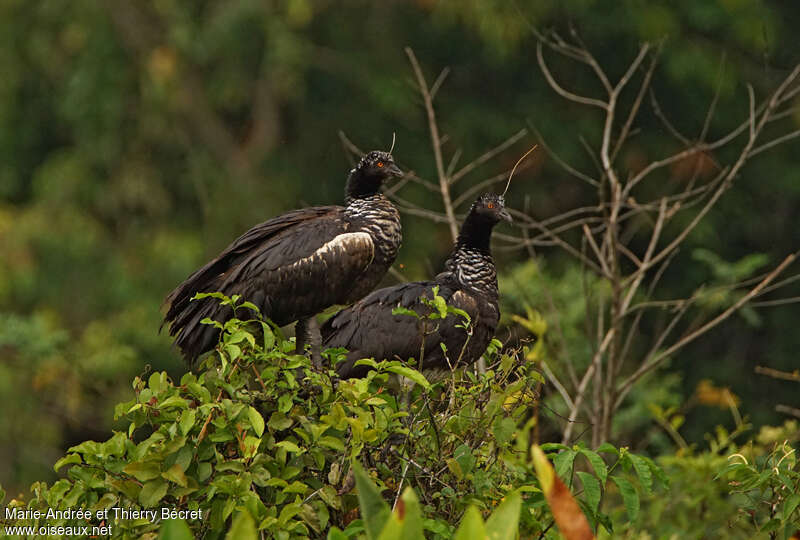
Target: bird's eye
(490, 206)
(380, 164)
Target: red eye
(380, 164)
(490, 205)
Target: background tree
(138, 139)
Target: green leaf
(503, 430)
(629, 496)
(563, 463)
(175, 474)
(331, 442)
(152, 492)
(503, 524)
(642, 471)
(789, 506)
(770, 526)
(187, 420)
(243, 528)
(607, 448)
(269, 336)
(69, 459)
(142, 471)
(256, 420)
(466, 460)
(404, 311)
(278, 421)
(289, 447)
(591, 489)
(374, 509)
(472, 526)
(599, 466)
(175, 529)
(406, 519)
(441, 306)
(412, 374)
(336, 534)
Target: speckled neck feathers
(471, 263)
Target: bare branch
(657, 358)
(774, 142)
(438, 82)
(564, 165)
(435, 142)
(777, 374)
(486, 156)
(564, 93)
(594, 366)
(664, 120)
(623, 135)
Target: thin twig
(436, 142)
(656, 359)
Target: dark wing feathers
(241, 248)
(369, 330)
(277, 265)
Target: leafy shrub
(259, 431)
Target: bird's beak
(394, 170)
(505, 216)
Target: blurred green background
(138, 138)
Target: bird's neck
(475, 234)
(471, 263)
(360, 187)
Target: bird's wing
(291, 266)
(368, 329)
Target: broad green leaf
(243, 528)
(336, 534)
(175, 474)
(789, 506)
(175, 529)
(187, 420)
(503, 524)
(152, 492)
(503, 430)
(405, 520)
(563, 462)
(642, 471)
(404, 311)
(472, 526)
(374, 510)
(142, 471)
(441, 306)
(466, 460)
(69, 459)
(607, 448)
(629, 496)
(412, 374)
(256, 420)
(591, 489)
(599, 466)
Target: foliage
(261, 432)
(729, 490)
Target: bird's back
(368, 329)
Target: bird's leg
(307, 331)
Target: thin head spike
(393, 139)
(510, 176)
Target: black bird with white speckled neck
(368, 329)
(297, 264)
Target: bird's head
(486, 212)
(491, 207)
(370, 173)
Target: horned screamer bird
(368, 329)
(297, 264)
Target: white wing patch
(346, 242)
